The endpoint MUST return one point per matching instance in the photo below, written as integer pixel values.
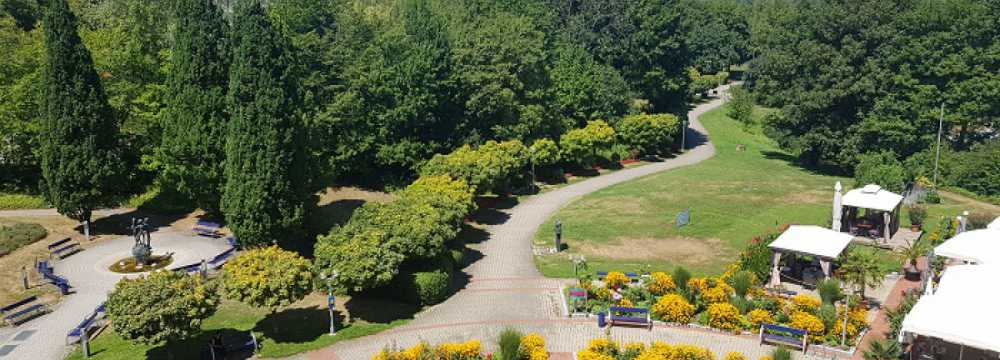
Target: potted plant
(917, 214)
(910, 254)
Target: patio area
(902, 238)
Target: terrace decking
(903, 237)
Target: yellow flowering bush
(838, 329)
(806, 302)
(471, 349)
(760, 316)
(673, 308)
(602, 346)
(717, 294)
(625, 302)
(691, 352)
(661, 284)
(657, 351)
(632, 349)
(590, 355)
(534, 346)
(616, 279)
(698, 284)
(724, 316)
(735, 356)
(808, 322)
(602, 293)
(765, 358)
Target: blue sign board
(330, 301)
(684, 217)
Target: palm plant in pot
(910, 253)
(917, 213)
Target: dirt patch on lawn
(684, 250)
(806, 197)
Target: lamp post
(330, 298)
(558, 235)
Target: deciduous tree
(161, 307)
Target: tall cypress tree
(265, 173)
(81, 160)
(193, 149)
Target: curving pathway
(87, 272)
(506, 289)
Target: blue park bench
(630, 316)
(64, 248)
(207, 228)
(783, 335)
(631, 275)
(88, 322)
(190, 268)
(46, 270)
(23, 310)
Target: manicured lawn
(21, 201)
(295, 330)
(732, 197)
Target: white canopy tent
(977, 246)
(808, 240)
(875, 198)
(962, 311)
(995, 224)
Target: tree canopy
(163, 306)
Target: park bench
(207, 229)
(631, 275)
(64, 248)
(88, 322)
(783, 335)
(190, 268)
(231, 240)
(630, 316)
(221, 259)
(248, 343)
(23, 310)
(46, 270)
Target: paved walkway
(87, 272)
(53, 212)
(506, 289)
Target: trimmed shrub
(14, 236)
(648, 134)
(661, 284)
(807, 321)
(781, 353)
(533, 347)
(421, 287)
(724, 316)
(806, 302)
(759, 316)
(829, 291)
(583, 146)
(979, 220)
(544, 152)
(615, 279)
(681, 277)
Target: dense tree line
(858, 77)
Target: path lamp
(330, 298)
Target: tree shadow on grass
(298, 325)
(372, 309)
(197, 346)
(797, 163)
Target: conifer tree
(81, 160)
(266, 179)
(193, 149)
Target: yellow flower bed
(469, 350)
(616, 279)
(625, 303)
(808, 322)
(602, 293)
(735, 356)
(590, 355)
(691, 352)
(724, 316)
(661, 284)
(719, 293)
(806, 302)
(603, 349)
(760, 316)
(673, 308)
(534, 346)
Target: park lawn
(295, 330)
(732, 196)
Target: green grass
(14, 235)
(21, 201)
(732, 196)
(284, 334)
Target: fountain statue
(142, 250)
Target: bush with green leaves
(979, 220)
(648, 134)
(883, 349)
(756, 256)
(681, 277)
(917, 214)
(15, 235)
(509, 344)
(421, 287)
(162, 307)
(544, 152)
(978, 170)
(267, 278)
(584, 146)
(493, 166)
(881, 168)
(781, 353)
(741, 281)
(359, 255)
(741, 105)
(829, 291)
(451, 197)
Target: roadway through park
(505, 289)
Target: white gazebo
(995, 224)
(960, 317)
(975, 246)
(810, 240)
(881, 212)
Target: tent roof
(995, 224)
(979, 246)
(962, 309)
(813, 240)
(872, 197)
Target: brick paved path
(88, 273)
(506, 290)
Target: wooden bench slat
(629, 309)
(58, 243)
(773, 327)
